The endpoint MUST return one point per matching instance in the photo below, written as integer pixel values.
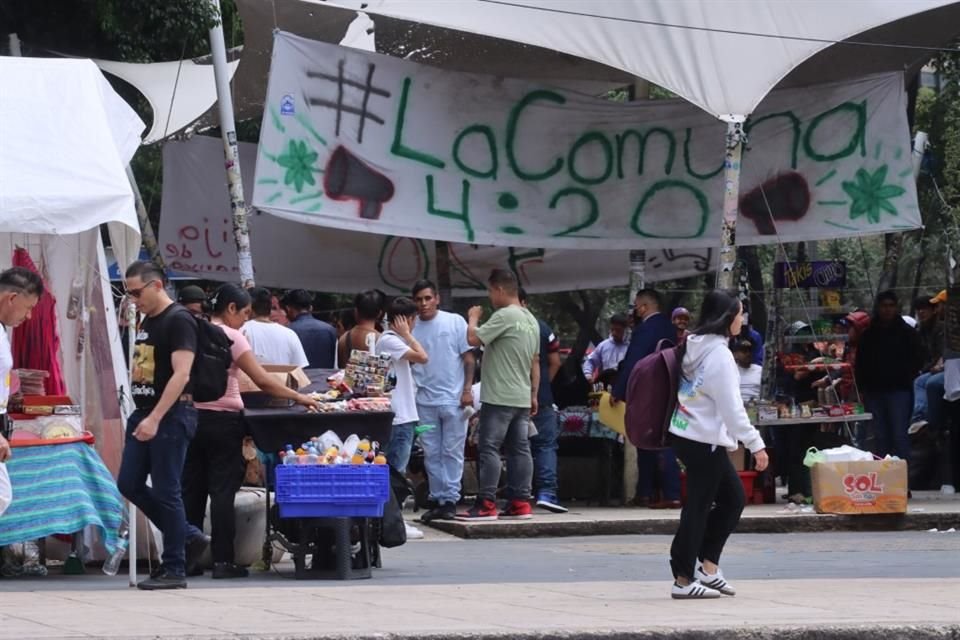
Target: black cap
(191, 293)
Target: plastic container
(326, 491)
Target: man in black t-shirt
(164, 422)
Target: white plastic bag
(6, 490)
(846, 453)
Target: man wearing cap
(681, 320)
(193, 298)
(318, 338)
(609, 352)
(930, 329)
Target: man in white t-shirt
(750, 374)
(20, 291)
(444, 388)
(398, 343)
(272, 343)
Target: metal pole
(442, 250)
(231, 154)
(132, 520)
(146, 229)
(731, 195)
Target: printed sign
(831, 274)
(359, 141)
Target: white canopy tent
(67, 138)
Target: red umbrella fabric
(36, 342)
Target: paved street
(575, 586)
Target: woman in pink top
(215, 464)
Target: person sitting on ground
(318, 338)
(367, 311)
(271, 343)
(609, 352)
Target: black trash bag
(393, 531)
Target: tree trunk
(758, 304)
(893, 244)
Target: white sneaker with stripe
(715, 581)
(693, 591)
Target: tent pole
(731, 195)
(231, 154)
(146, 228)
(638, 281)
(14, 41)
(132, 520)
(442, 250)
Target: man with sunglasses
(164, 422)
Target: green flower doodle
(298, 161)
(870, 195)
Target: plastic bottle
(112, 565)
(350, 445)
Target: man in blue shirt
(544, 445)
(318, 338)
(653, 328)
(444, 392)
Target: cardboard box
(739, 458)
(877, 486)
(287, 375)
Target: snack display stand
(327, 539)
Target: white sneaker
(917, 426)
(715, 581)
(693, 591)
(412, 532)
(948, 490)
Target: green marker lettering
(398, 148)
(512, 121)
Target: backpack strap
(665, 344)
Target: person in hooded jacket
(888, 359)
(708, 422)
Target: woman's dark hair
(262, 301)
(401, 307)
(717, 312)
(229, 294)
(368, 305)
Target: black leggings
(715, 500)
(215, 467)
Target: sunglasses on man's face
(136, 293)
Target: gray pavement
(824, 585)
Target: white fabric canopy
(189, 86)
(722, 55)
(65, 138)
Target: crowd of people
(495, 373)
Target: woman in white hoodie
(709, 421)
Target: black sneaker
(163, 581)
(446, 511)
(228, 570)
(195, 548)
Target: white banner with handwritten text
(365, 142)
(196, 238)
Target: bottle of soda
(112, 565)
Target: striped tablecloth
(60, 488)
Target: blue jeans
(543, 448)
(443, 450)
(162, 459)
(507, 428)
(664, 463)
(398, 449)
(891, 419)
(936, 405)
(920, 397)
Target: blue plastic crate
(328, 491)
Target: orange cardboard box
(288, 376)
(850, 488)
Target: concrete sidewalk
(927, 510)
(847, 608)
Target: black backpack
(212, 362)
